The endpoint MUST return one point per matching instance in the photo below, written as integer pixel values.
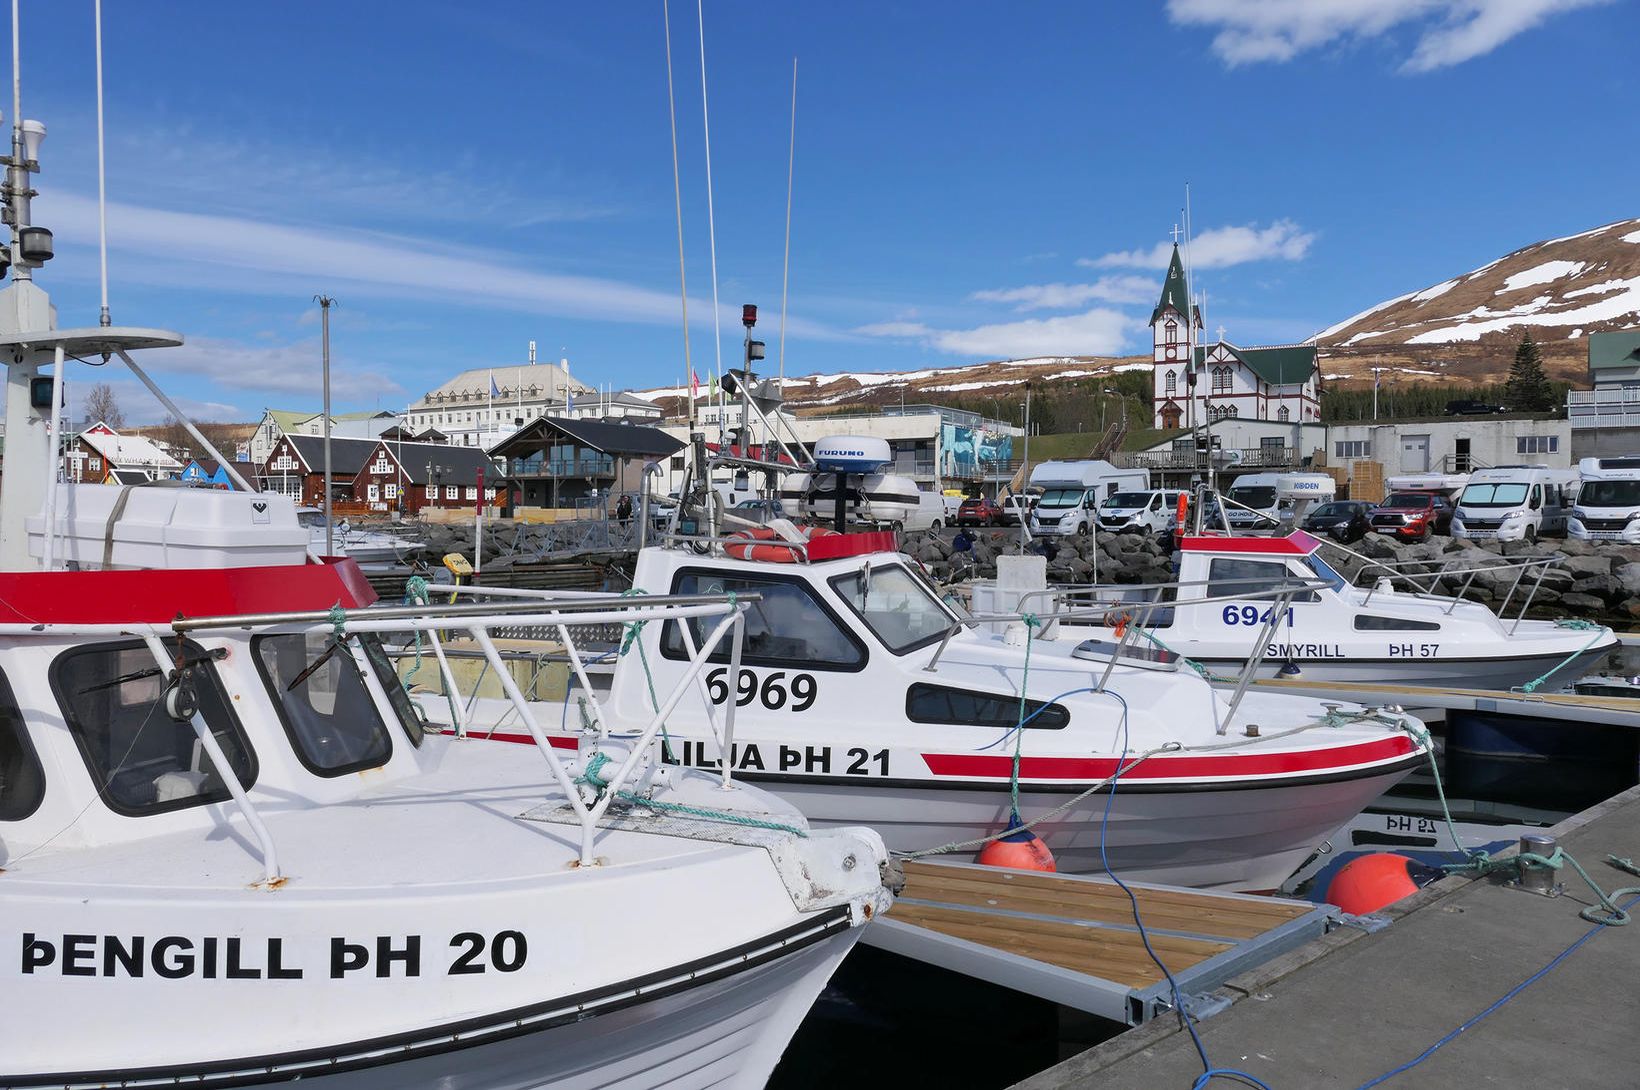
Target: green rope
(593, 777)
(1479, 863)
(1578, 625)
(338, 622)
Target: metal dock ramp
(1071, 938)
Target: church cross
(1221, 333)
(1176, 232)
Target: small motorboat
(363, 546)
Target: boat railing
(475, 619)
(1133, 617)
(714, 543)
(1401, 571)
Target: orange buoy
(1020, 849)
(1369, 883)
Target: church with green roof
(1196, 383)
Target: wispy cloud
(1107, 289)
(1219, 247)
(1448, 32)
(1097, 332)
(236, 253)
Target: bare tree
(101, 404)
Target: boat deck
(1343, 1010)
(1072, 938)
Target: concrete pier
(1346, 1008)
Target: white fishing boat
(863, 697)
(232, 855)
(364, 546)
(1396, 627)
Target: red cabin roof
(158, 596)
(1297, 543)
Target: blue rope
(1209, 1072)
(1507, 996)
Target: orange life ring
(778, 550)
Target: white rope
(677, 199)
(711, 221)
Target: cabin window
(960, 707)
(1366, 622)
(22, 783)
(142, 760)
(329, 716)
(388, 677)
(896, 606)
(789, 626)
(1233, 577)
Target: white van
(1514, 503)
(1072, 492)
(1275, 501)
(1608, 501)
(1151, 512)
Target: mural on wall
(967, 450)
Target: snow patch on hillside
(1546, 273)
(1622, 300)
(1433, 293)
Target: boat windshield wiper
(215, 655)
(312, 667)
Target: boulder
(1603, 587)
(1628, 575)
(1588, 565)
(1584, 603)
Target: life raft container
(766, 543)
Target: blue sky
(973, 181)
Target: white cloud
(1107, 289)
(1219, 247)
(1448, 32)
(1097, 332)
(234, 253)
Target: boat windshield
(1324, 571)
(1258, 497)
(1126, 500)
(1061, 497)
(311, 519)
(1505, 494)
(895, 605)
(1609, 494)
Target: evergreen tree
(1528, 389)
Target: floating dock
(1072, 938)
(1571, 707)
(1352, 1005)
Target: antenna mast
(677, 200)
(711, 221)
(786, 266)
(102, 187)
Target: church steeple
(1175, 292)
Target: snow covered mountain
(1559, 290)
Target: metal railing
(475, 620)
(1425, 583)
(1246, 457)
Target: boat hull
(727, 1031)
(1477, 673)
(1230, 837)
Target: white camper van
(1152, 512)
(1608, 500)
(1274, 501)
(1072, 492)
(1514, 503)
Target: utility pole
(325, 303)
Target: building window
(1271, 442)
(1537, 444)
(1220, 412)
(1283, 415)
(391, 491)
(373, 493)
(452, 492)
(1187, 445)
(1222, 378)
(1171, 385)
(94, 463)
(677, 463)
(1351, 448)
(1172, 329)
(471, 492)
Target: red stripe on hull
(1164, 767)
(557, 741)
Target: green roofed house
(1279, 383)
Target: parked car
(1342, 520)
(1016, 509)
(979, 511)
(1413, 516)
(759, 511)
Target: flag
(711, 387)
(495, 391)
(694, 383)
(569, 400)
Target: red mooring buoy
(1369, 883)
(1020, 849)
